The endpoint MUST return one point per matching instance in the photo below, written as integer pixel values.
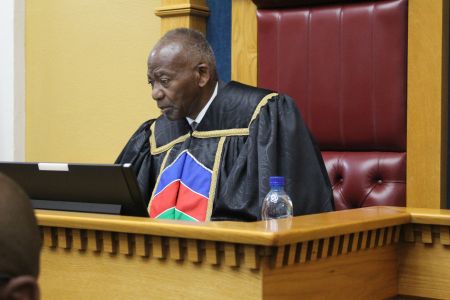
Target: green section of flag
(175, 214)
(179, 215)
(168, 214)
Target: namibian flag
(182, 192)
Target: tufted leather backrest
(345, 65)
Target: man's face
(174, 82)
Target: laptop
(98, 188)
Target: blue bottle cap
(276, 181)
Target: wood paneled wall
(244, 51)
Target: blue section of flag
(196, 177)
(171, 173)
(191, 173)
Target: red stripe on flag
(165, 199)
(192, 204)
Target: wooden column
(426, 181)
(244, 51)
(183, 13)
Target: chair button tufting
(380, 181)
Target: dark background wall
(219, 35)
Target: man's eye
(165, 81)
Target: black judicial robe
(221, 170)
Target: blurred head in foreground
(20, 243)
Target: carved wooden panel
(231, 254)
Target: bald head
(19, 235)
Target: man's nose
(157, 93)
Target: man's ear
(204, 74)
(21, 288)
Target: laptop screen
(99, 188)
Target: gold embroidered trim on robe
(215, 174)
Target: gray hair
(195, 44)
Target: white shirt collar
(202, 113)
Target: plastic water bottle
(277, 204)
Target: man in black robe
(210, 154)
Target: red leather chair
(344, 62)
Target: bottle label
(273, 197)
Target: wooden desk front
(369, 253)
